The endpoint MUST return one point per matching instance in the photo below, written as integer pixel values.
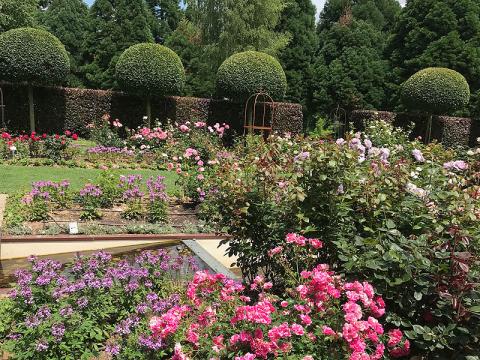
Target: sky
(318, 3)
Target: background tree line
(354, 57)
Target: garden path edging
(3, 202)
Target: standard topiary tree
(436, 91)
(33, 57)
(150, 69)
(246, 73)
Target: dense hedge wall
(57, 109)
(451, 131)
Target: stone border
(3, 202)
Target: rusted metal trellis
(251, 123)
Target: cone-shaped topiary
(436, 91)
(244, 74)
(34, 57)
(150, 69)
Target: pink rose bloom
(184, 128)
(328, 331)
(315, 243)
(297, 329)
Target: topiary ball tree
(250, 72)
(33, 57)
(435, 91)
(150, 69)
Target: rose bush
(406, 216)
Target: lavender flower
(41, 346)
(58, 330)
(113, 349)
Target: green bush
(250, 72)
(150, 69)
(436, 91)
(34, 56)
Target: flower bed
(112, 205)
(401, 214)
(139, 311)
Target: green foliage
(322, 130)
(218, 29)
(33, 56)
(298, 19)
(68, 20)
(350, 71)
(436, 91)
(379, 13)
(167, 15)
(114, 26)
(186, 42)
(394, 215)
(17, 13)
(150, 69)
(431, 33)
(247, 73)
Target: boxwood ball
(246, 73)
(34, 56)
(436, 91)
(150, 69)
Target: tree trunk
(31, 108)
(148, 109)
(428, 135)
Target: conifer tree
(114, 26)
(298, 19)
(68, 21)
(17, 13)
(166, 14)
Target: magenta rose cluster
(323, 315)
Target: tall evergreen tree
(298, 19)
(68, 21)
(167, 15)
(438, 33)
(350, 71)
(114, 26)
(17, 13)
(380, 13)
(186, 42)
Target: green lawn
(19, 178)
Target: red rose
(75, 137)
(44, 136)
(57, 136)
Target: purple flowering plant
(94, 304)
(90, 198)
(157, 200)
(132, 195)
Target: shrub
(404, 215)
(149, 70)
(436, 91)
(250, 72)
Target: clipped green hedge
(150, 69)
(34, 56)
(436, 91)
(244, 74)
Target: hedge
(58, 109)
(451, 131)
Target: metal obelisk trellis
(250, 124)
(2, 109)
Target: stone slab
(3, 202)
